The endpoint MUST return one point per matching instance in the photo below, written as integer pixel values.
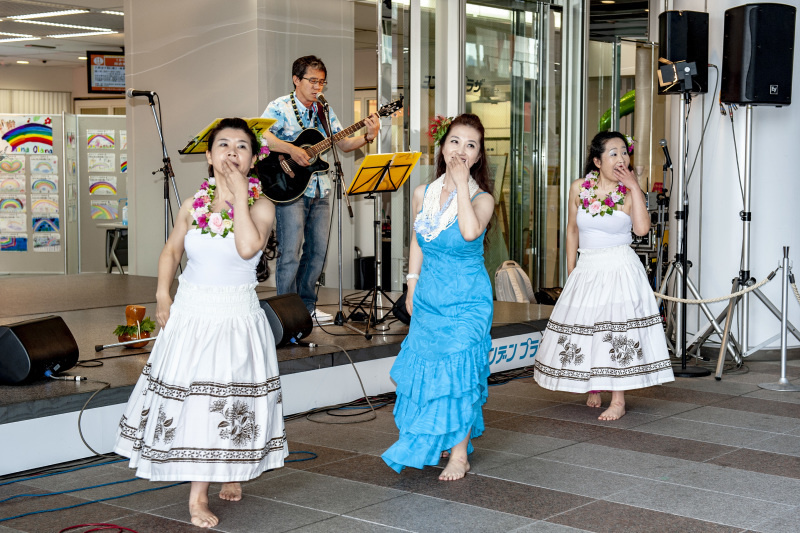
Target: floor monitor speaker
(683, 36)
(758, 54)
(29, 349)
(288, 318)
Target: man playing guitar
(305, 221)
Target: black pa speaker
(288, 318)
(29, 349)
(683, 36)
(758, 54)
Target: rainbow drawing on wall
(30, 138)
(47, 242)
(12, 185)
(12, 164)
(12, 224)
(45, 224)
(102, 210)
(45, 205)
(123, 162)
(47, 185)
(42, 167)
(13, 244)
(103, 187)
(100, 139)
(12, 203)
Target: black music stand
(380, 173)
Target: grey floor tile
(482, 459)
(705, 432)
(652, 406)
(740, 419)
(547, 527)
(329, 494)
(588, 415)
(785, 444)
(787, 523)
(727, 480)
(618, 461)
(725, 509)
(574, 479)
(343, 524)
(708, 384)
(349, 437)
(766, 394)
(513, 442)
(754, 378)
(516, 404)
(422, 513)
(251, 515)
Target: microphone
(668, 161)
(321, 100)
(133, 93)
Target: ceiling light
(15, 34)
(22, 62)
(85, 34)
(82, 58)
(15, 39)
(606, 1)
(120, 13)
(49, 14)
(91, 28)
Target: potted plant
(138, 326)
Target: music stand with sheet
(380, 173)
(199, 143)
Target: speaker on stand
(29, 349)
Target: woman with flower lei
(210, 387)
(442, 369)
(605, 332)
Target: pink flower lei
(592, 205)
(218, 223)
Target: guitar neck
(324, 145)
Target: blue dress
(443, 366)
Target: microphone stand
(338, 178)
(169, 175)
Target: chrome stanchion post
(783, 383)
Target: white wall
(715, 229)
(36, 78)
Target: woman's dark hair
(302, 64)
(598, 146)
(235, 124)
(480, 169)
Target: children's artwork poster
(12, 164)
(12, 223)
(32, 134)
(47, 242)
(72, 166)
(12, 183)
(101, 162)
(44, 164)
(46, 224)
(44, 184)
(102, 185)
(44, 203)
(13, 242)
(71, 138)
(72, 212)
(12, 203)
(123, 139)
(123, 162)
(100, 139)
(104, 209)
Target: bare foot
(615, 411)
(457, 467)
(594, 400)
(202, 515)
(231, 492)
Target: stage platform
(92, 305)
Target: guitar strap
(322, 119)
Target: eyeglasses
(316, 81)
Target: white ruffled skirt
(605, 332)
(208, 404)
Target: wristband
(412, 276)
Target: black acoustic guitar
(283, 180)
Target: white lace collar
(434, 218)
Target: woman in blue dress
(442, 369)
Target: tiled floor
(695, 455)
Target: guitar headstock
(391, 108)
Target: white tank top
(603, 231)
(215, 261)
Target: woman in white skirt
(207, 407)
(605, 332)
